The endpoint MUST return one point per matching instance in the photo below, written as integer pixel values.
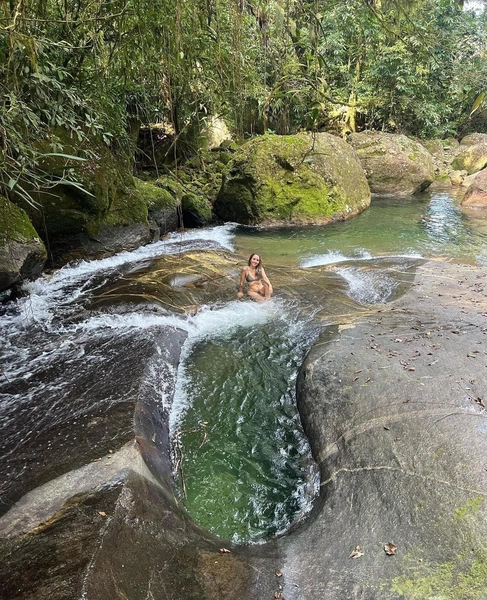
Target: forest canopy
(80, 70)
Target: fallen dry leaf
(224, 551)
(390, 549)
(103, 514)
(278, 573)
(277, 595)
(357, 553)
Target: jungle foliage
(75, 70)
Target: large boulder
(102, 213)
(476, 194)
(162, 207)
(394, 407)
(474, 138)
(22, 253)
(395, 165)
(294, 179)
(471, 158)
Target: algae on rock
(22, 253)
(103, 213)
(299, 179)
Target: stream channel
(242, 463)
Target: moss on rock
(196, 210)
(22, 253)
(395, 164)
(103, 213)
(293, 179)
(155, 197)
(471, 159)
(14, 224)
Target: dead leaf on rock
(390, 549)
(277, 595)
(103, 514)
(357, 553)
(224, 551)
(278, 574)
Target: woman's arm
(267, 283)
(242, 282)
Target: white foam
(333, 257)
(223, 235)
(72, 282)
(368, 287)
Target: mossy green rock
(471, 158)
(22, 253)
(103, 213)
(197, 211)
(162, 205)
(395, 164)
(295, 179)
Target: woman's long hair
(258, 268)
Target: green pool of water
(246, 465)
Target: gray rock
(392, 402)
(394, 164)
(22, 252)
(394, 410)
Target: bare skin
(259, 287)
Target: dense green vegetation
(101, 68)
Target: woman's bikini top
(250, 279)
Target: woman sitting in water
(258, 285)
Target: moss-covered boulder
(395, 165)
(22, 253)
(294, 179)
(471, 158)
(474, 138)
(162, 207)
(197, 211)
(476, 194)
(103, 213)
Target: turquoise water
(431, 225)
(247, 468)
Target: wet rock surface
(392, 400)
(394, 408)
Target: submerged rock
(293, 179)
(395, 165)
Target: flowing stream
(244, 468)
